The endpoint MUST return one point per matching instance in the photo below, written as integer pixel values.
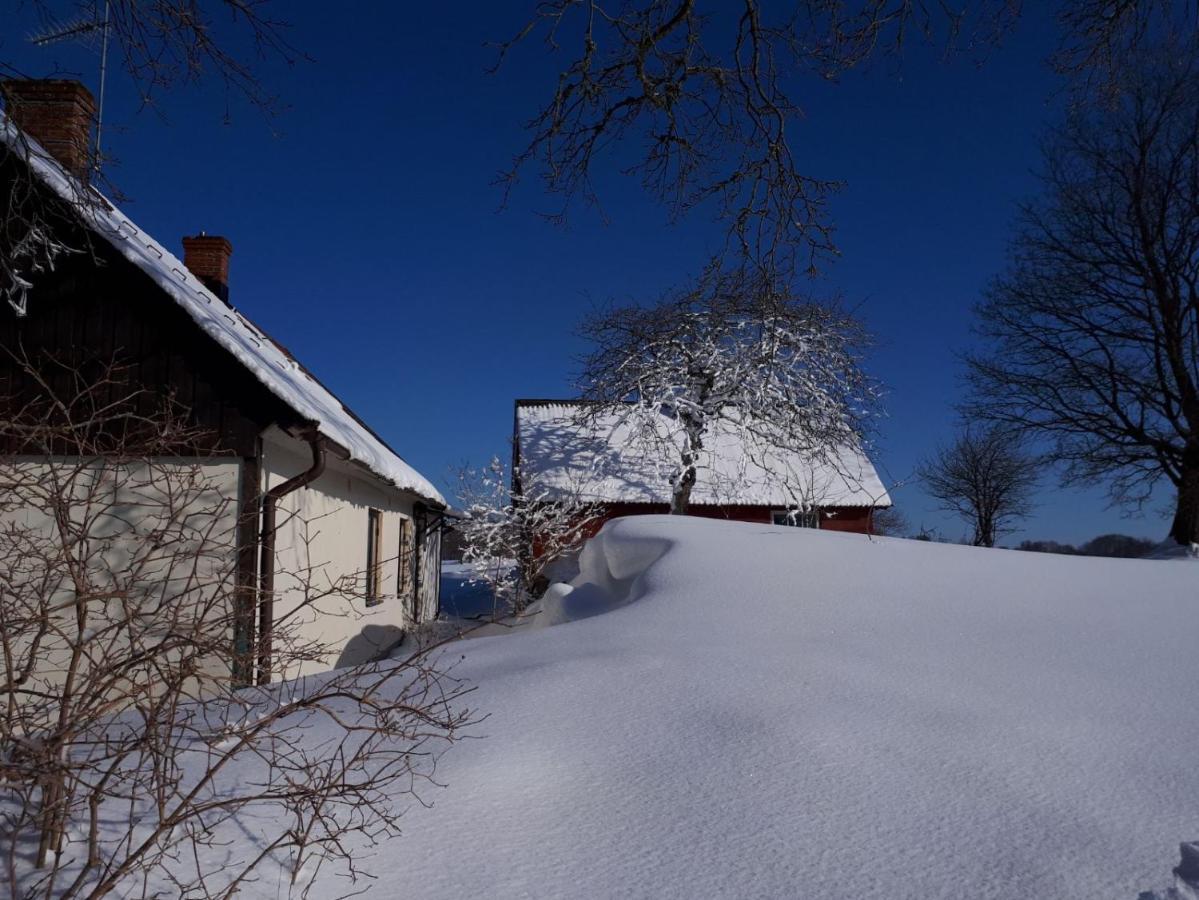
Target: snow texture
(251, 347)
(604, 462)
(765, 711)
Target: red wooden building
(556, 456)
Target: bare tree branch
(1094, 328)
(706, 96)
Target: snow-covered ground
(791, 713)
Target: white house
(313, 484)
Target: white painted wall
(156, 537)
(322, 540)
(323, 531)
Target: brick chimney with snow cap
(58, 114)
(207, 257)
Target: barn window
(374, 562)
(406, 576)
(798, 518)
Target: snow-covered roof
(604, 461)
(249, 345)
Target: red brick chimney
(207, 257)
(58, 114)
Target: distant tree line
(1118, 546)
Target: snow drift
(767, 711)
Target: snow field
(771, 712)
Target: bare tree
(1094, 328)
(708, 96)
(986, 477)
(132, 760)
(733, 358)
(160, 44)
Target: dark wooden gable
(98, 305)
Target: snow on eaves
(602, 462)
(261, 356)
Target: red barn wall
(854, 519)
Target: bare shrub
(132, 757)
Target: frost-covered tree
(510, 538)
(986, 477)
(733, 358)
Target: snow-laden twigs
(510, 536)
(39, 228)
(734, 358)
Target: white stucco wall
(157, 537)
(322, 538)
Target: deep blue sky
(368, 239)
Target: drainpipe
(266, 574)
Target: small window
(374, 562)
(796, 517)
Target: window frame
(374, 560)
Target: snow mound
(1186, 877)
(610, 565)
(765, 711)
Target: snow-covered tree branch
(510, 536)
(732, 359)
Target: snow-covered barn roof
(600, 460)
(267, 360)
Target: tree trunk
(1185, 529)
(984, 533)
(681, 497)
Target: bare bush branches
(130, 760)
(986, 477)
(1094, 328)
(736, 357)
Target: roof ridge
(243, 339)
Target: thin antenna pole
(103, 74)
